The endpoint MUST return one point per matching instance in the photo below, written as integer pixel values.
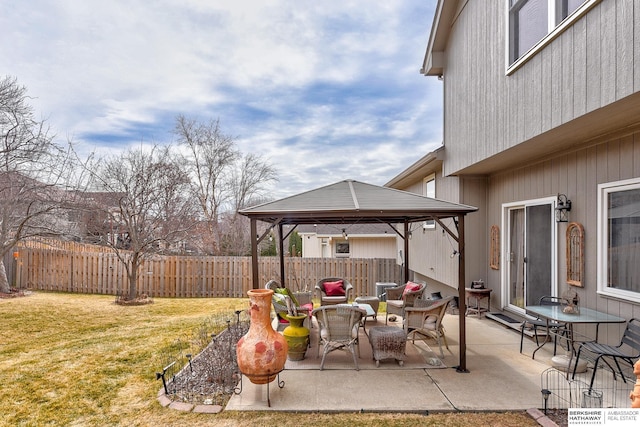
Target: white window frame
(505, 255)
(554, 30)
(342, 254)
(429, 224)
(602, 244)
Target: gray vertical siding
(589, 66)
(576, 174)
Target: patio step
(512, 323)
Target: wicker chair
(305, 305)
(425, 319)
(338, 329)
(327, 299)
(398, 299)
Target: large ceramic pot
(262, 352)
(297, 336)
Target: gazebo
(350, 202)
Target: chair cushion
(333, 300)
(411, 287)
(395, 303)
(334, 289)
(430, 323)
(324, 334)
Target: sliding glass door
(530, 253)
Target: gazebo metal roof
(352, 202)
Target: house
(542, 134)
(348, 241)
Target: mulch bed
(14, 293)
(140, 300)
(212, 375)
(559, 416)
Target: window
(429, 190)
(619, 239)
(534, 23)
(342, 249)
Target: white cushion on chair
(398, 303)
(354, 333)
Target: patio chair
(301, 302)
(555, 327)
(425, 319)
(630, 340)
(338, 329)
(401, 297)
(333, 290)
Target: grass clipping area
(68, 359)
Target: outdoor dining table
(554, 313)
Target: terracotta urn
(297, 336)
(635, 393)
(262, 352)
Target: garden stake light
(188, 355)
(545, 395)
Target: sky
(322, 90)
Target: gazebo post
(254, 253)
(406, 251)
(462, 366)
(281, 250)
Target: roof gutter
(431, 162)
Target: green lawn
(68, 359)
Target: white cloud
(325, 90)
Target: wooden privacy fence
(64, 270)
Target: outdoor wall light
(563, 206)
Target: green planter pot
(297, 337)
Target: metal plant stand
(280, 382)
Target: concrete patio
(499, 379)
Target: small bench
(388, 342)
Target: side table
(478, 295)
(374, 302)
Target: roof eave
(434, 58)
(429, 163)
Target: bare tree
(35, 175)
(210, 156)
(223, 180)
(145, 197)
(249, 178)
